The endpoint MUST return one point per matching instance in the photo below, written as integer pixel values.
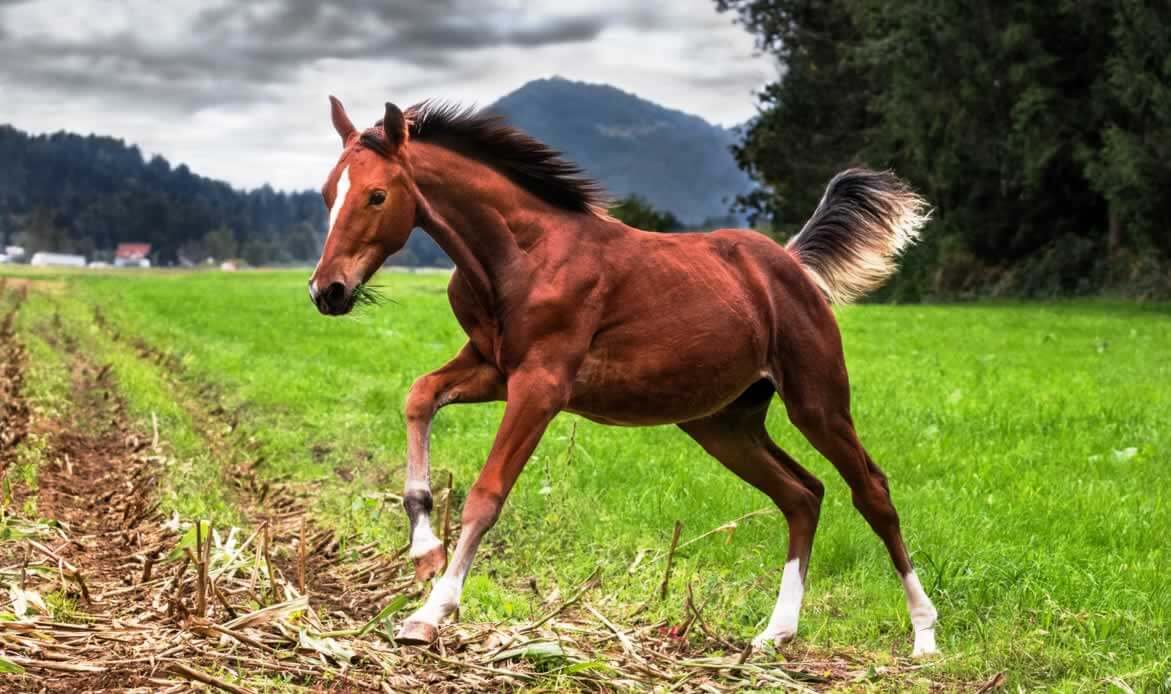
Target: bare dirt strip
(103, 591)
(13, 411)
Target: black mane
(487, 138)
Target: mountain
(679, 162)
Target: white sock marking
(423, 540)
(923, 615)
(442, 601)
(782, 626)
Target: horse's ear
(341, 122)
(394, 124)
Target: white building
(57, 259)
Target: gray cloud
(233, 47)
(204, 80)
(417, 29)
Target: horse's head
(371, 201)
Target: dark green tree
(1039, 131)
(300, 242)
(43, 232)
(813, 121)
(1131, 169)
(220, 243)
(640, 214)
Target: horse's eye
(377, 197)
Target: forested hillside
(1040, 131)
(86, 194)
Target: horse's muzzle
(334, 300)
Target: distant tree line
(85, 194)
(1040, 131)
(70, 193)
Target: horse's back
(689, 322)
(767, 278)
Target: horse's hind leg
(818, 402)
(737, 438)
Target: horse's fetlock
(417, 502)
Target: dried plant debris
(103, 591)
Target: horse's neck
(482, 227)
(481, 242)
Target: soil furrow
(352, 589)
(97, 482)
(13, 409)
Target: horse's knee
(481, 508)
(421, 399)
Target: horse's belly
(663, 384)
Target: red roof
(132, 251)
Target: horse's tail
(850, 244)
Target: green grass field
(1027, 445)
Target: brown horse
(567, 309)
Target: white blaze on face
(339, 199)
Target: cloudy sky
(238, 89)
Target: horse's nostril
(334, 294)
(333, 300)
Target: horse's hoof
(416, 634)
(925, 644)
(430, 564)
(773, 640)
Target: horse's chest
(487, 341)
(481, 328)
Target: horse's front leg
(534, 398)
(466, 378)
